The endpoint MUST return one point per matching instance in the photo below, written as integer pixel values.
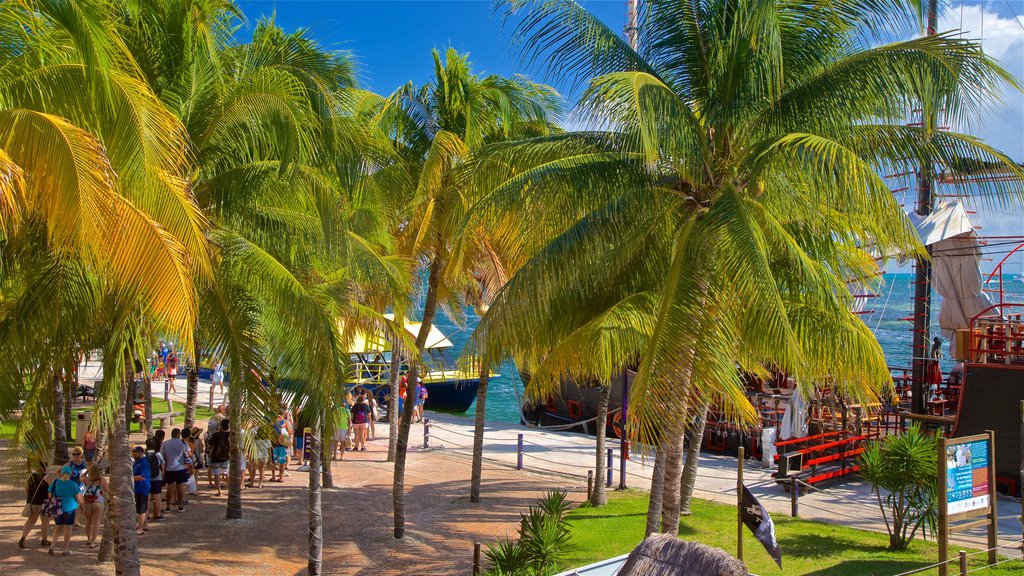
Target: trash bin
(768, 451)
(82, 424)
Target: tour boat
(451, 383)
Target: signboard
(307, 439)
(968, 486)
(965, 483)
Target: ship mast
(631, 22)
(923, 268)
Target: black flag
(760, 523)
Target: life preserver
(616, 422)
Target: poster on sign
(968, 486)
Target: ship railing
(997, 335)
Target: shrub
(903, 472)
(543, 537)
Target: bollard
(622, 470)
(476, 558)
(611, 468)
(963, 563)
(794, 499)
(426, 432)
(590, 484)
(519, 453)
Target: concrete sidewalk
(849, 502)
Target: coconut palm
(93, 201)
(738, 182)
(436, 127)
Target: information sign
(967, 482)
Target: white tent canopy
(956, 265)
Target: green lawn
(809, 548)
(159, 407)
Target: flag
(760, 523)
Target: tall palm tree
(747, 189)
(436, 127)
(107, 196)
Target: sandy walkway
(271, 539)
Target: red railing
(997, 335)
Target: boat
(451, 382)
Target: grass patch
(808, 548)
(203, 414)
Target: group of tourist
(78, 484)
(165, 470)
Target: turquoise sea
(894, 302)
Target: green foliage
(903, 474)
(543, 539)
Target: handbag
(53, 507)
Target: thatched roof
(666, 555)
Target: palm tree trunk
(657, 491)
(398, 488)
(106, 550)
(122, 488)
(192, 389)
(60, 438)
(673, 472)
(396, 366)
(600, 496)
(326, 460)
(69, 397)
(478, 433)
(694, 437)
(234, 510)
(148, 395)
(316, 519)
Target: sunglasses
(76, 453)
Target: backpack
(359, 414)
(154, 465)
(221, 451)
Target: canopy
(369, 344)
(956, 265)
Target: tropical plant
(543, 538)
(903, 472)
(437, 127)
(736, 183)
(98, 226)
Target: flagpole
(739, 506)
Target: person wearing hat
(70, 499)
(141, 474)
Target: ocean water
(893, 303)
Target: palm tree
(437, 126)
(738, 183)
(92, 199)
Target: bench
(166, 419)
(83, 392)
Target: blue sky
(392, 39)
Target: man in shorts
(176, 453)
(279, 457)
(220, 454)
(141, 474)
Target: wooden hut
(666, 555)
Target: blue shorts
(280, 455)
(66, 518)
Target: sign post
(966, 490)
(307, 436)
